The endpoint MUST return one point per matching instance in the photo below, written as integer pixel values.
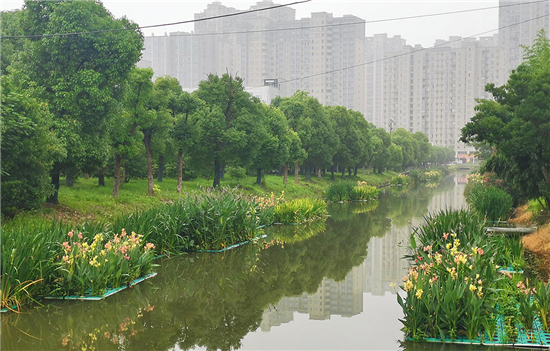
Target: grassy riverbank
(86, 201)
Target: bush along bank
(462, 286)
(419, 176)
(54, 260)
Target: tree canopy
(517, 125)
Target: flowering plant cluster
(92, 267)
(487, 178)
(447, 290)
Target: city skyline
(422, 31)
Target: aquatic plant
(299, 210)
(490, 201)
(92, 267)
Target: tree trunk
(285, 173)
(319, 173)
(370, 167)
(546, 175)
(161, 168)
(332, 172)
(180, 170)
(296, 173)
(116, 174)
(122, 176)
(149, 152)
(258, 176)
(69, 180)
(363, 170)
(308, 172)
(344, 173)
(355, 171)
(101, 177)
(53, 198)
(217, 170)
(349, 171)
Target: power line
(411, 52)
(350, 23)
(154, 25)
(268, 30)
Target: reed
(299, 211)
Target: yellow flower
(419, 293)
(471, 267)
(472, 287)
(408, 285)
(448, 246)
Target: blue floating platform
(234, 246)
(108, 293)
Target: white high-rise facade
(394, 85)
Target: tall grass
(212, 220)
(299, 211)
(490, 201)
(465, 226)
(28, 255)
(345, 191)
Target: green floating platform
(106, 294)
(234, 246)
(537, 338)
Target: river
(323, 286)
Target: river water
(323, 286)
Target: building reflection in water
(382, 268)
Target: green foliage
(515, 123)
(400, 179)
(27, 144)
(489, 201)
(339, 191)
(362, 191)
(211, 220)
(299, 211)
(92, 266)
(236, 172)
(421, 176)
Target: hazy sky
(416, 31)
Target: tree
(517, 124)
(274, 143)
(125, 132)
(79, 75)
(227, 129)
(185, 132)
(28, 149)
(307, 118)
(11, 25)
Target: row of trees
(76, 105)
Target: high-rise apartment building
(269, 44)
(430, 90)
(520, 21)
(395, 85)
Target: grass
(85, 201)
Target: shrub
(490, 201)
(419, 176)
(299, 210)
(235, 172)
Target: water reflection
(327, 270)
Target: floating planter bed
(511, 230)
(108, 293)
(236, 245)
(536, 338)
